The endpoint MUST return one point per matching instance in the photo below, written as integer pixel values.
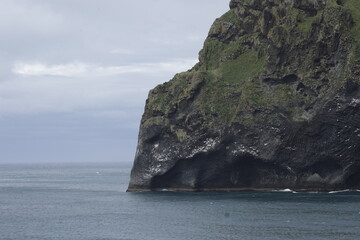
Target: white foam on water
(346, 190)
(284, 190)
(340, 191)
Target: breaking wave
(285, 190)
(346, 190)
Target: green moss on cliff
(230, 87)
(215, 52)
(244, 67)
(230, 16)
(306, 23)
(159, 100)
(354, 7)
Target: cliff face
(273, 103)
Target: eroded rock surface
(273, 103)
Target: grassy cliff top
(263, 57)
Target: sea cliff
(273, 103)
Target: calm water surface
(88, 201)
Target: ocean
(89, 202)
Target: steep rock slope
(273, 103)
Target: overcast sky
(74, 74)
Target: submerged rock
(274, 103)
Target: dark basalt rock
(273, 103)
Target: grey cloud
(126, 48)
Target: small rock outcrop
(273, 103)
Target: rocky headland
(273, 103)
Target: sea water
(88, 201)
